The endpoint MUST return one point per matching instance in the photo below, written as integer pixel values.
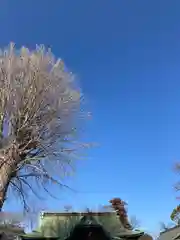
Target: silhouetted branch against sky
(135, 223)
(40, 116)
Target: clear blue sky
(127, 57)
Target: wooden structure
(89, 228)
(88, 225)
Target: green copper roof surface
(60, 226)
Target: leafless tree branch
(40, 116)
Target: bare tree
(31, 218)
(135, 223)
(68, 208)
(39, 109)
(165, 227)
(11, 220)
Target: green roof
(61, 224)
(58, 226)
(177, 237)
(27, 236)
(33, 235)
(11, 229)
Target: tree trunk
(6, 170)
